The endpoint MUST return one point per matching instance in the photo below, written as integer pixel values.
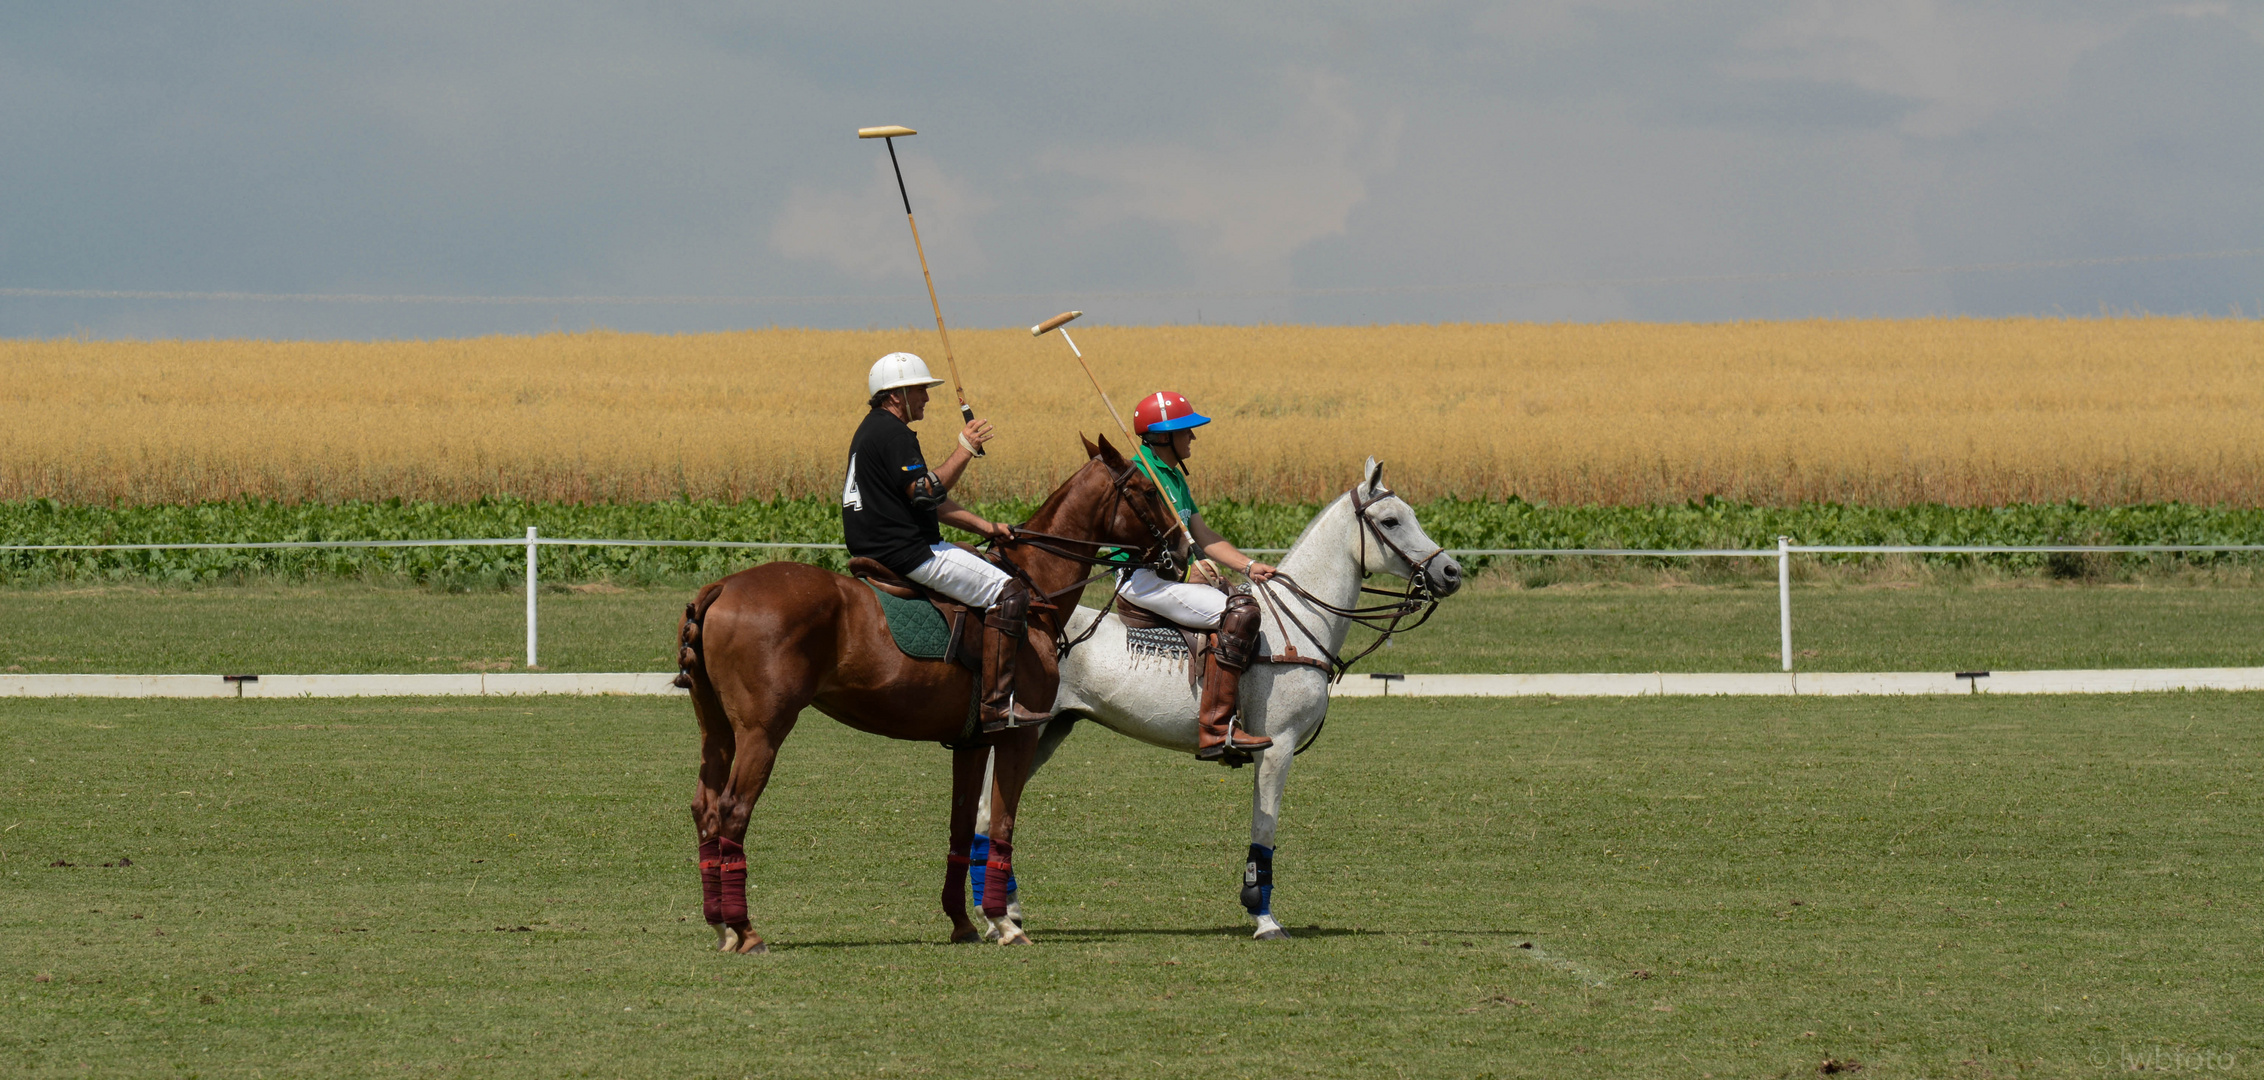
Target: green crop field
(1959, 887)
(1945, 623)
(1453, 523)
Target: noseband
(1418, 573)
(1417, 602)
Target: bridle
(1156, 556)
(1418, 601)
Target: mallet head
(1053, 324)
(885, 131)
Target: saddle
(963, 647)
(1198, 641)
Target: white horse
(1368, 530)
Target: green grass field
(1955, 887)
(1947, 624)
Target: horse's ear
(1108, 453)
(1375, 477)
(1091, 451)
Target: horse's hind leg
(967, 774)
(717, 747)
(735, 764)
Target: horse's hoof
(1010, 934)
(968, 936)
(739, 943)
(1275, 934)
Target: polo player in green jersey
(1165, 424)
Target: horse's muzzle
(1440, 575)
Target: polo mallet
(1061, 322)
(888, 133)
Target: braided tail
(691, 662)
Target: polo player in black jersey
(892, 504)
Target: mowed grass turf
(1968, 886)
(1491, 627)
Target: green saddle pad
(916, 625)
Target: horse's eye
(1391, 523)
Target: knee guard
(1257, 882)
(1010, 614)
(1238, 633)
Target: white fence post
(530, 596)
(1784, 598)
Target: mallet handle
(966, 411)
(1056, 323)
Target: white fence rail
(1783, 553)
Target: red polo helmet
(1165, 411)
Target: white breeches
(961, 575)
(1187, 605)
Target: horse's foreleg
(967, 775)
(1056, 730)
(1010, 770)
(1265, 817)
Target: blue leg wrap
(1257, 881)
(977, 854)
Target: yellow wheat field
(1884, 412)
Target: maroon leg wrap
(995, 875)
(711, 879)
(732, 883)
(955, 867)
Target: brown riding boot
(1223, 665)
(1004, 627)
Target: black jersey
(878, 521)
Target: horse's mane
(1062, 492)
(1308, 529)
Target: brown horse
(765, 643)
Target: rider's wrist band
(964, 444)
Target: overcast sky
(1216, 162)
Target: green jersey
(1174, 485)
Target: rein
(1156, 557)
(1386, 619)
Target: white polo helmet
(897, 370)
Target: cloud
(1249, 200)
(1962, 65)
(856, 232)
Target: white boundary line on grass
(1652, 684)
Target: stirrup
(1230, 752)
(1016, 717)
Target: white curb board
(477, 684)
(1701, 684)
(1809, 684)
